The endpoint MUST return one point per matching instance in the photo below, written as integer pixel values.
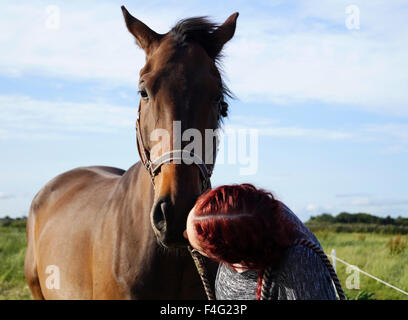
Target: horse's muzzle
(166, 226)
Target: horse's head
(182, 96)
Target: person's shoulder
(299, 228)
(298, 251)
(304, 262)
(301, 275)
(301, 256)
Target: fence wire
(367, 274)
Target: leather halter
(154, 166)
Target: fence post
(333, 254)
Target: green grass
(12, 253)
(373, 253)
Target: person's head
(239, 224)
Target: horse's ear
(146, 38)
(225, 32)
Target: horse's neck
(135, 218)
(134, 251)
(135, 199)
(130, 225)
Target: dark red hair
(241, 224)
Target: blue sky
(330, 103)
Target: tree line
(345, 217)
(358, 222)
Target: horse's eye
(143, 94)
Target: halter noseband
(154, 166)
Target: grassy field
(12, 254)
(384, 256)
(373, 253)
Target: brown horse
(105, 233)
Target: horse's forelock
(200, 30)
(197, 29)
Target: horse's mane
(197, 29)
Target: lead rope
(198, 258)
(267, 277)
(202, 271)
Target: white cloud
(23, 117)
(392, 136)
(4, 195)
(318, 66)
(324, 134)
(311, 207)
(377, 205)
(26, 118)
(276, 57)
(92, 42)
(378, 202)
(397, 131)
(309, 55)
(266, 126)
(388, 138)
(352, 195)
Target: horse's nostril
(160, 225)
(159, 215)
(163, 206)
(167, 228)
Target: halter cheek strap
(154, 166)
